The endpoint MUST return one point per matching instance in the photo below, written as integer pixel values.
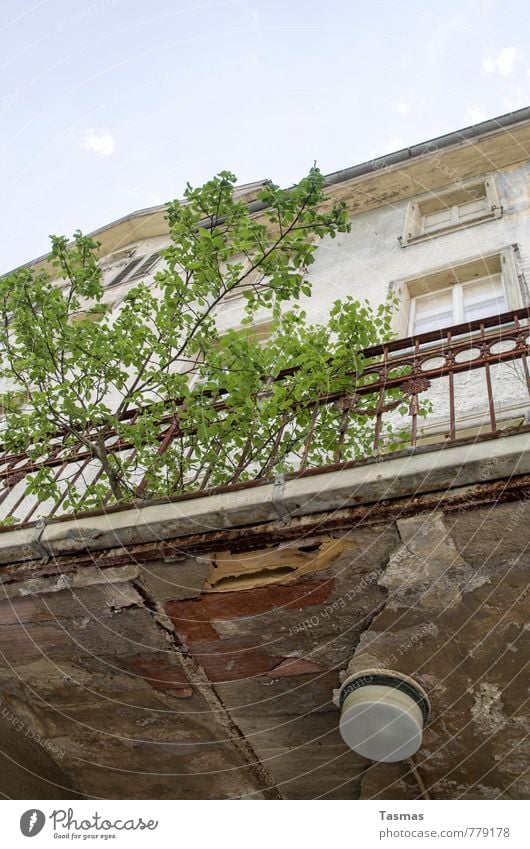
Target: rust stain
(270, 533)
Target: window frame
(502, 261)
(457, 300)
(412, 231)
(135, 268)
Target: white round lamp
(382, 714)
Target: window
(134, 270)
(459, 206)
(118, 256)
(454, 294)
(459, 303)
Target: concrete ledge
(385, 480)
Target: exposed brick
(192, 617)
(233, 659)
(292, 666)
(161, 674)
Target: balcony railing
(404, 371)
(446, 353)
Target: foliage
(161, 360)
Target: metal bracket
(36, 543)
(277, 499)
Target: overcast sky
(108, 106)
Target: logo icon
(32, 822)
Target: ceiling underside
(211, 675)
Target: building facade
(191, 648)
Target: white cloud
(403, 106)
(503, 64)
(476, 115)
(98, 141)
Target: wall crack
(197, 677)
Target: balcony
(465, 384)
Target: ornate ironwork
(415, 385)
(399, 368)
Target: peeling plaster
(487, 709)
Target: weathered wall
(456, 618)
(211, 675)
(364, 262)
(27, 770)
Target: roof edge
(370, 166)
(431, 146)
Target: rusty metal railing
(405, 369)
(462, 348)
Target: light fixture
(382, 714)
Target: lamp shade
(382, 715)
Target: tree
(84, 380)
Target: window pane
(495, 306)
(145, 268)
(484, 298)
(483, 288)
(435, 322)
(433, 311)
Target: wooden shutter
(146, 266)
(436, 220)
(472, 209)
(126, 270)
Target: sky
(109, 106)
